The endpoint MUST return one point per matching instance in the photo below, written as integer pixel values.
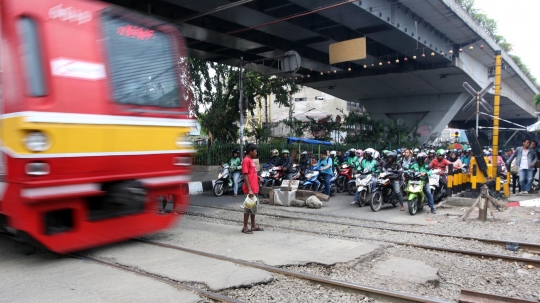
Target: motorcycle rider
(430, 156)
(274, 160)
(339, 157)
(235, 168)
(415, 152)
(370, 165)
(466, 157)
(422, 167)
(352, 159)
(335, 167)
(407, 160)
(286, 164)
(304, 162)
(313, 166)
(325, 170)
(440, 163)
(359, 157)
(396, 172)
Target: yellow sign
(349, 50)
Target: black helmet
(392, 155)
(235, 151)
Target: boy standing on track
(251, 187)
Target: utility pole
(291, 111)
(240, 101)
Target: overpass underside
(395, 81)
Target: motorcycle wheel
(362, 198)
(333, 190)
(351, 188)
(218, 189)
(535, 185)
(413, 206)
(421, 204)
(307, 187)
(340, 184)
(395, 201)
(376, 201)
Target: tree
(490, 25)
(298, 127)
(261, 132)
(536, 100)
(215, 93)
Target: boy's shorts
(253, 210)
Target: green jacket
(421, 168)
(353, 161)
(235, 165)
(372, 165)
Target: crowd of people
(523, 162)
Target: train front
(94, 124)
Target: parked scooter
(415, 192)
(384, 193)
(225, 184)
(309, 183)
(437, 189)
(345, 175)
(362, 184)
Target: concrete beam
(467, 19)
(479, 73)
(431, 114)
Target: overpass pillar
(430, 114)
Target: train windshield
(142, 65)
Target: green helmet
(441, 152)
(385, 152)
(285, 151)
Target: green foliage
(490, 25)
(215, 93)
(261, 133)
(536, 100)
(298, 127)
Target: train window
(142, 67)
(32, 57)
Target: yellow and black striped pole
(496, 107)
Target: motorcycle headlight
(265, 174)
(36, 141)
(364, 181)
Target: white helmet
(304, 153)
(333, 153)
(376, 154)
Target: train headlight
(36, 141)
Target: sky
(517, 21)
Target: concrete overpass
(425, 92)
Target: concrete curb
(199, 187)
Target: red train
(94, 120)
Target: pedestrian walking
(250, 188)
(525, 161)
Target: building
(308, 102)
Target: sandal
(258, 228)
(246, 231)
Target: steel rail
(531, 247)
(469, 296)
(371, 291)
(202, 292)
(529, 261)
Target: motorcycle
(225, 184)
(384, 193)
(309, 183)
(271, 175)
(415, 192)
(438, 191)
(362, 184)
(345, 175)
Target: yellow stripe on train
(87, 138)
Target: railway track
(482, 255)
(372, 292)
